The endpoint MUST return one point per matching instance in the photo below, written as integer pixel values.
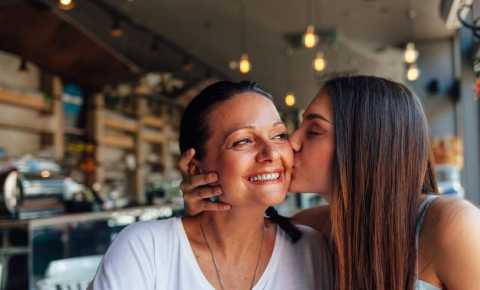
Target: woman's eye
(314, 132)
(242, 142)
(282, 136)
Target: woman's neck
(234, 231)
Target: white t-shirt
(156, 255)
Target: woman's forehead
(321, 104)
(243, 112)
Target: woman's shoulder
(316, 217)
(148, 233)
(152, 227)
(448, 215)
(135, 256)
(452, 231)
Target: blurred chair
(70, 274)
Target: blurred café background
(92, 91)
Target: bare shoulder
(450, 215)
(452, 229)
(316, 217)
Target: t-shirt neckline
(272, 263)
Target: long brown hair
(381, 165)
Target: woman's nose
(267, 152)
(296, 141)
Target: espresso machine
(31, 188)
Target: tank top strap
(421, 213)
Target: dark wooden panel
(58, 45)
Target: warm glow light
(66, 4)
(411, 54)
(290, 99)
(319, 63)
(117, 30)
(245, 66)
(310, 39)
(413, 72)
(45, 174)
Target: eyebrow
(313, 116)
(248, 127)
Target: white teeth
(267, 176)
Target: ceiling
(369, 36)
(64, 49)
(211, 30)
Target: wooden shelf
(122, 142)
(152, 121)
(120, 123)
(153, 137)
(33, 128)
(22, 100)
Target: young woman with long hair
(364, 146)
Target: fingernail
(212, 176)
(226, 207)
(218, 191)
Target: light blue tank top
(422, 210)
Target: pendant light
(244, 65)
(413, 73)
(319, 62)
(66, 4)
(310, 38)
(290, 99)
(411, 53)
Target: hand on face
(197, 189)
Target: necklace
(215, 265)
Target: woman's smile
(265, 177)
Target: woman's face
(313, 145)
(249, 149)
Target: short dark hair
(194, 129)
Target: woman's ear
(194, 167)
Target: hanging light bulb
(319, 62)
(413, 72)
(66, 4)
(244, 65)
(310, 39)
(290, 99)
(411, 53)
(116, 30)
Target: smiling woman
(236, 132)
